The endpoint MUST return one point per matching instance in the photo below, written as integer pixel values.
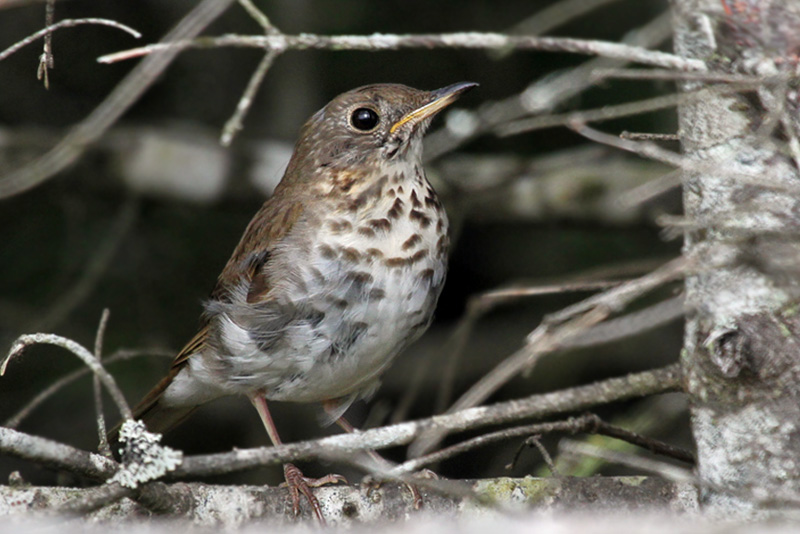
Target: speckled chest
(373, 277)
(355, 282)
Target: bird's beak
(441, 99)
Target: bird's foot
(299, 483)
(412, 488)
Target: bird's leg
(295, 481)
(345, 425)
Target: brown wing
(248, 261)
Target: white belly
(339, 311)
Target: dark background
(154, 273)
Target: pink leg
(295, 481)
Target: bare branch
(553, 334)
(557, 14)
(55, 387)
(234, 124)
(78, 350)
(649, 136)
(115, 104)
(542, 405)
(542, 95)
(46, 60)
(668, 471)
(380, 42)
(259, 17)
(618, 111)
(55, 455)
(66, 23)
(103, 446)
(589, 423)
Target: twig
(103, 446)
(543, 94)
(557, 14)
(379, 42)
(55, 455)
(259, 17)
(536, 442)
(78, 350)
(55, 387)
(649, 190)
(654, 446)
(618, 111)
(646, 383)
(92, 499)
(552, 334)
(234, 124)
(671, 75)
(573, 399)
(46, 60)
(669, 471)
(477, 307)
(66, 23)
(646, 136)
(115, 104)
(630, 324)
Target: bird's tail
(151, 410)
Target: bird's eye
(364, 119)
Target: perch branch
(662, 380)
(379, 42)
(66, 23)
(121, 98)
(589, 423)
(78, 350)
(56, 455)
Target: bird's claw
(298, 483)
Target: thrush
(336, 273)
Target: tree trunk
(741, 357)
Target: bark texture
(741, 357)
(230, 507)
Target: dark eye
(364, 119)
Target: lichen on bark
(741, 358)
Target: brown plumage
(336, 273)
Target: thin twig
(543, 405)
(78, 350)
(630, 324)
(56, 455)
(536, 442)
(555, 15)
(649, 136)
(477, 307)
(553, 333)
(672, 75)
(46, 60)
(121, 355)
(618, 111)
(646, 383)
(234, 124)
(380, 42)
(542, 95)
(66, 23)
(668, 471)
(103, 447)
(259, 17)
(115, 104)
(649, 190)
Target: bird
(338, 271)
